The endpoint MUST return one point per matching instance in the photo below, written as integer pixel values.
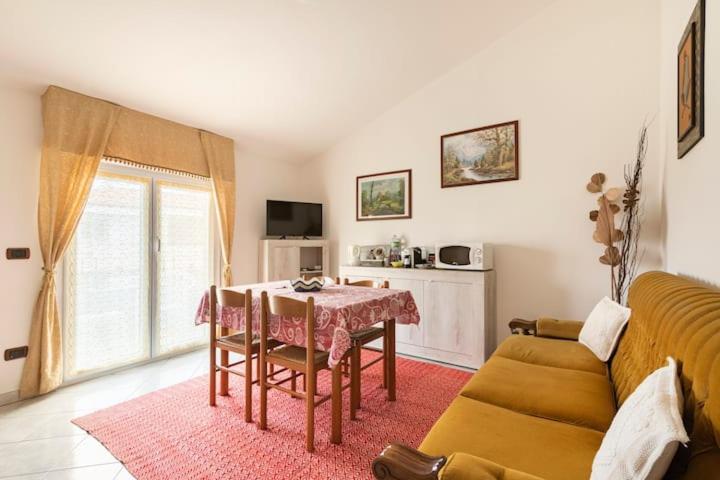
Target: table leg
(355, 366)
(336, 434)
(224, 361)
(390, 334)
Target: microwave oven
(464, 256)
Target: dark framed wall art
(481, 155)
(691, 82)
(384, 196)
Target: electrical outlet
(15, 353)
(17, 253)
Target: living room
(144, 144)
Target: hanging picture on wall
(691, 82)
(384, 196)
(481, 155)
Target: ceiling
(284, 78)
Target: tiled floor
(37, 440)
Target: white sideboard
(289, 259)
(457, 312)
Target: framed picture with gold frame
(691, 82)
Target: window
(143, 253)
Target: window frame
(110, 169)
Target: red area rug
(173, 433)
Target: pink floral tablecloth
(339, 310)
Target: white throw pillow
(603, 327)
(644, 435)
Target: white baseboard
(9, 397)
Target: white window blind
(107, 280)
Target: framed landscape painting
(481, 155)
(384, 196)
(691, 82)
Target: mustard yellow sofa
(539, 407)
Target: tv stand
(287, 259)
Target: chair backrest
(673, 316)
(366, 283)
(290, 307)
(232, 299)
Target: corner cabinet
(290, 259)
(457, 312)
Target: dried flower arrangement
(623, 261)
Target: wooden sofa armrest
(399, 462)
(523, 327)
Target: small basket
(314, 284)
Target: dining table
(339, 311)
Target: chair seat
(236, 343)
(291, 354)
(367, 335)
(545, 448)
(570, 396)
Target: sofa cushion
(544, 448)
(461, 466)
(570, 396)
(551, 352)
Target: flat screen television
(293, 219)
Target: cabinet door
(449, 317)
(285, 263)
(410, 334)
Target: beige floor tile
(88, 452)
(123, 474)
(35, 456)
(95, 472)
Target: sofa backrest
(673, 316)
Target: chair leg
(248, 386)
(336, 415)
(293, 381)
(262, 380)
(213, 375)
(310, 407)
(384, 362)
(224, 361)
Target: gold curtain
(76, 131)
(220, 157)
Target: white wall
(581, 77)
(21, 127)
(692, 194)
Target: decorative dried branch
(630, 256)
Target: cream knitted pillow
(644, 435)
(603, 327)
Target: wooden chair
(300, 361)
(359, 339)
(236, 343)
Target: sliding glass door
(184, 267)
(143, 254)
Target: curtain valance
(142, 138)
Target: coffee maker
(419, 257)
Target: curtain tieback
(50, 272)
